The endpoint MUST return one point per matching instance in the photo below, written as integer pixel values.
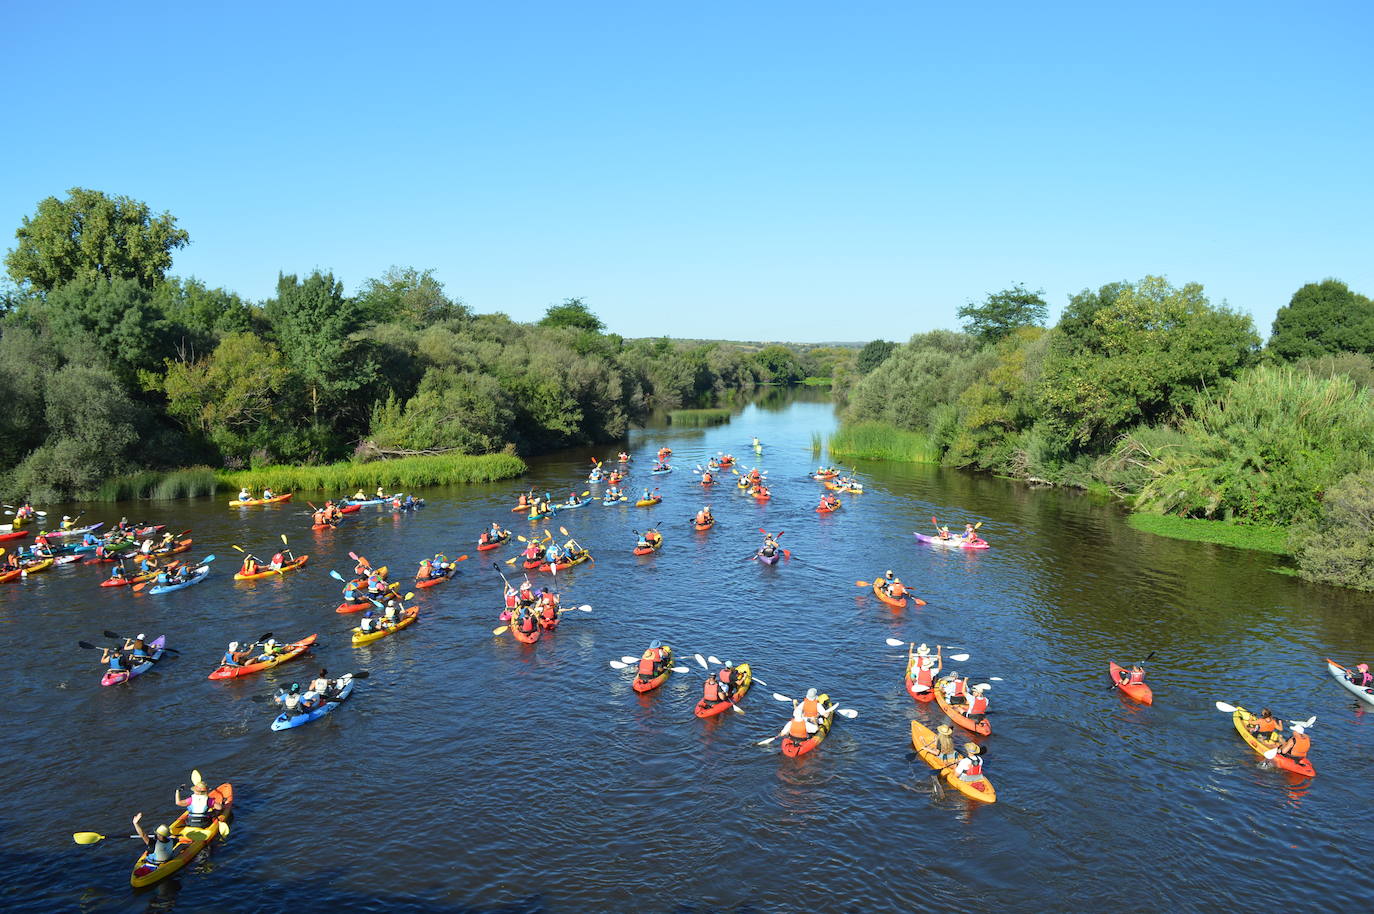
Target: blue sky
(803, 171)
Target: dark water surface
(471, 773)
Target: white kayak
(1363, 693)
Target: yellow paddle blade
(500, 631)
(238, 547)
(521, 538)
(511, 561)
(863, 583)
(283, 539)
(195, 777)
(87, 837)
(223, 829)
(564, 531)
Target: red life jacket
(711, 692)
(958, 688)
(646, 665)
(977, 704)
(527, 624)
(510, 599)
(726, 675)
(550, 611)
(1137, 676)
(975, 768)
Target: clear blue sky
(797, 170)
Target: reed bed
(880, 441)
(401, 474)
(696, 418)
(158, 485)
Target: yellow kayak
(924, 743)
(190, 840)
(250, 502)
(361, 637)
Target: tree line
(1152, 392)
(110, 365)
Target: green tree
(1137, 358)
(1002, 313)
(408, 295)
(90, 235)
(873, 354)
(779, 364)
(573, 312)
(1338, 548)
(452, 411)
(203, 311)
(119, 316)
(315, 325)
(1323, 317)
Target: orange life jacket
(811, 708)
(646, 665)
(1266, 725)
(1298, 744)
(958, 688)
(249, 566)
(925, 677)
(797, 729)
(527, 623)
(550, 612)
(726, 675)
(711, 692)
(977, 704)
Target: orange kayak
(1136, 690)
(981, 727)
(895, 603)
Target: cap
(140, 636)
(655, 644)
(810, 693)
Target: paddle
(90, 837)
(917, 600)
(109, 634)
(848, 713)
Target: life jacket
(797, 729)
(1361, 679)
(527, 624)
(974, 771)
(811, 708)
(531, 552)
(958, 689)
(249, 566)
(278, 560)
(897, 589)
(977, 704)
(510, 599)
(1300, 743)
(198, 809)
(711, 692)
(1266, 724)
(1137, 676)
(726, 675)
(646, 664)
(924, 675)
(550, 612)
(425, 568)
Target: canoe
(1138, 691)
(648, 502)
(292, 651)
(703, 526)
(115, 677)
(287, 566)
(566, 562)
(75, 531)
(439, 579)
(1241, 717)
(407, 617)
(828, 509)
(982, 727)
(953, 542)
(287, 721)
(649, 550)
(494, 544)
(768, 559)
(251, 502)
(923, 741)
(191, 839)
(1338, 673)
(711, 709)
(793, 747)
(894, 603)
(642, 684)
(196, 577)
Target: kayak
(828, 509)
(407, 617)
(535, 515)
(923, 697)
(923, 741)
(745, 678)
(648, 502)
(523, 638)
(75, 531)
(494, 544)
(793, 747)
(196, 577)
(287, 566)
(437, 579)
(1302, 767)
(191, 838)
(890, 601)
(566, 562)
(981, 727)
(761, 494)
(290, 652)
(953, 542)
(1338, 673)
(286, 721)
(611, 501)
(704, 526)
(518, 508)
(568, 506)
(31, 569)
(368, 502)
(410, 506)
(248, 503)
(1136, 690)
(178, 546)
(659, 471)
(350, 509)
(135, 579)
(648, 684)
(824, 476)
(327, 525)
(115, 677)
(768, 559)
(647, 550)
(532, 564)
(707, 483)
(16, 535)
(743, 483)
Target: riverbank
(880, 441)
(401, 474)
(1273, 540)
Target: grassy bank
(692, 418)
(402, 474)
(160, 485)
(1259, 538)
(880, 441)
(818, 382)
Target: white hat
(982, 687)
(66, 517)
(923, 649)
(140, 637)
(1299, 728)
(810, 693)
(233, 645)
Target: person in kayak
(970, 534)
(977, 706)
(201, 808)
(970, 767)
(1135, 675)
(829, 502)
(650, 539)
(245, 495)
(114, 657)
(250, 565)
(496, 532)
(553, 554)
(368, 623)
(724, 684)
(707, 478)
(954, 688)
(704, 517)
(944, 743)
(943, 532)
(548, 606)
(922, 668)
(1360, 676)
(1297, 744)
(811, 706)
(160, 845)
(532, 552)
(526, 596)
(891, 585)
(652, 661)
(137, 649)
(268, 493)
(381, 493)
(800, 727)
(391, 612)
(527, 622)
(117, 573)
(67, 522)
(769, 547)
(714, 692)
(647, 496)
(1266, 727)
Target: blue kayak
(612, 501)
(195, 578)
(661, 470)
(287, 720)
(373, 501)
(568, 506)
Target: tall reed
(695, 418)
(880, 441)
(402, 474)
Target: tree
(92, 236)
(872, 355)
(1003, 313)
(314, 324)
(408, 295)
(452, 411)
(1138, 357)
(118, 316)
(779, 364)
(1339, 547)
(200, 309)
(1323, 317)
(573, 312)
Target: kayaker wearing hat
(970, 767)
(200, 806)
(922, 668)
(137, 648)
(1361, 676)
(944, 743)
(1298, 743)
(67, 522)
(954, 687)
(704, 516)
(233, 657)
(161, 845)
(977, 701)
(892, 585)
(719, 687)
(652, 660)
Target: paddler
(829, 502)
(943, 531)
(725, 683)
(200, 806)
(532, 552)
(800, 727)
(970, 533)
(250, 564)
(67, 522)
(1298, 743)
(137, 649)
(527, 623)
(1266, 727)
(704, 517)
(769, 547)
(647, 496)
(426, 571)
(381, 493)
(267, 493)
(496, 532)
(977, 700)
(118, 573)
(114, 657)
(548, 606)
(368, 623)
(245, 495)
(970, 767)
(1135, 675)
(526, 595)
(359, 495)
(160, 845)
(652, 660)
(944, 743)
(713, 691)
(1361, 676)
(954, 688)
(922, 667)
(707, 478)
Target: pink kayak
(953, 542)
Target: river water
(471, 773)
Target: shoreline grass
(1258, 538)
(880, 441)
(403, 473)
(814, 381)
(695, 418)
(158, 485)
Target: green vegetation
(878, 441)
(1003, 313)
(818, 382)
(161, 486)
(694, 418)
(403, 474)
(1258, 538)
(1321, 318)
(816, 442)
(1337, 547)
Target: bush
(1338, 547)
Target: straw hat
(945, 729)
(972, 748)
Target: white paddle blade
(778, 696)
(994, 679)
(616, 664)
(958, 658)
(1271, 753)
(893, 642)
(737, 709)
(765, 742)
(585, 608)
(761, 682)
(1225, 708)
(629, 659)
(702, 660)
(850, 713)
(682, 669)
(716, 660)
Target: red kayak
(1136, 690)
(438, 579)
(16, 535)
(494, 544)
(524, 638)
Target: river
(471, 773)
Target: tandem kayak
(289, 652)
(1339, 673)
(196, 577)
(953, 542)
(648, 502)
(923, 741)
(267, 573)
(190, 840)
(115, 677)
(75, 531)
(286, 720)
(793, 747)
(1138, 691)
(569, 505)
(250, 502)
(26, 570)
(744, 678)
(523, 637)
(982, 726)
(368, 502)
(134, 579)
(644, 683)
(407, 618)
(494, 544)
(567, 562)
(611, 501)
(649, 550)
(659, 471)
(894, 602)
(768, 559)
(828, 509)
(436, 579)
(701, 527)
(1303, 766)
